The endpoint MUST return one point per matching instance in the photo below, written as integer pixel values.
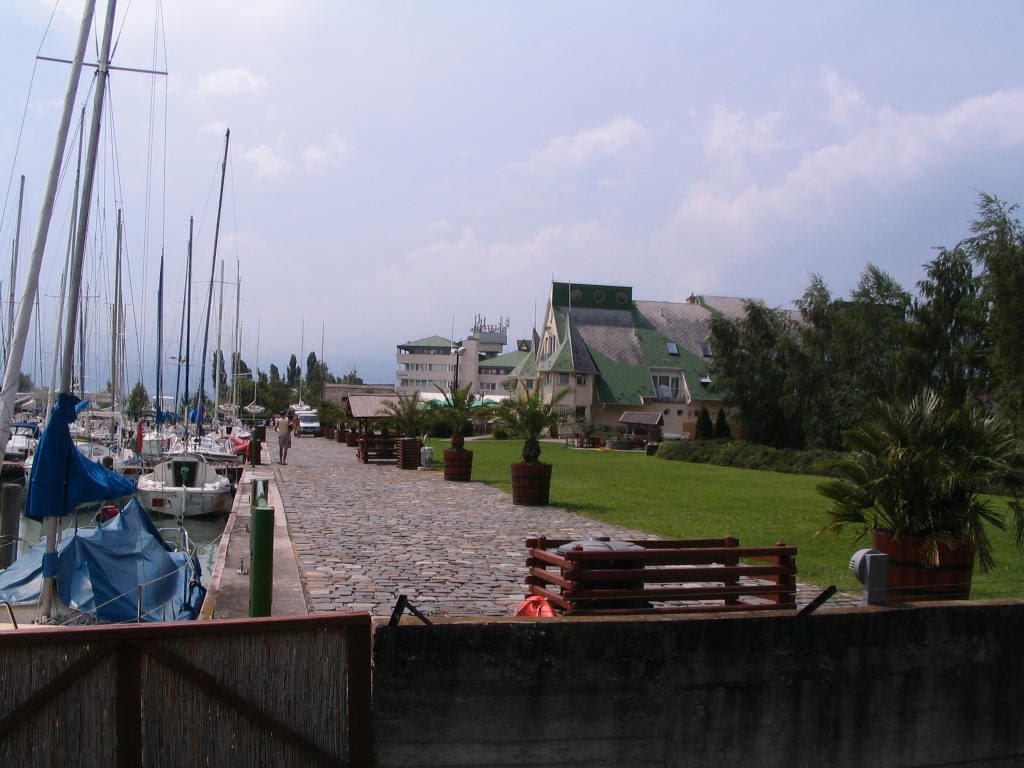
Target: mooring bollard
(10, 523)
(261, 561)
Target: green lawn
(674, 499)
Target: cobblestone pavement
(365, 534)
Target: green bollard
(261, 561)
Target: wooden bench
(702, 575)
(376, 449)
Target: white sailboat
(184, 486)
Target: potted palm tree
(527, 414)
(917, 480)
(406, 418)
(456, 409)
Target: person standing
(284, 437)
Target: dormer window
(673, 348)
(705, 349)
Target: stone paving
(365, 534)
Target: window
(563, 379)
(705, 349)
(581, 380)
(528, 384)
(666, 384)
(548, 379)
(673, 348)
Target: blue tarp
(62, 478)
(112, 572)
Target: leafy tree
(997, 244)
(752, 357)
(947, 346)
(722, 430)
(293, 372)
(25, 383)
(705, 430)
(352, 377)
(138, 399)
(275, 375)
(218, 375)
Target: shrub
(744, 455)
(500, 433)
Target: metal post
(875, 577)
(10, 523)
(261, 561)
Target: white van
(309, 423)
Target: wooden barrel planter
(408, 452)
(458, 465)
(911, 579)
(531, 484)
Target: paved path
(364, 534)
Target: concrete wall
(935, 686)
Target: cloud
(740, 218)
(230, 82)
(330, 154)
(265, 161)
(844, 100)
(586, 147)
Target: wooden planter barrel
(408, 452)
(910, 579)
(458, 465)
(531, 484)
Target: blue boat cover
(62, 478)
(116, 572)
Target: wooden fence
(278, 691)
(662, 576)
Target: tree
(293, 372)
(705, 430)
(218, 375)
(25, 383)
(722, 430)
(352, 377)
(997, 244)
(138, 399)
(947, 346)
(752, 357)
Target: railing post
(10, 522)
(261, 561)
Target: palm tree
(405, 414)
(455, 410)
(528, 415)
(923, 469)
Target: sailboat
(125, 560)
(185, 483)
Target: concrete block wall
(916, 686)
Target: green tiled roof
(428, 343)
(508, 360)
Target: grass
(674, 499)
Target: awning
(642, 418)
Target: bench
(376, 449)
(656, 576)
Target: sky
(396, 169)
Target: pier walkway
(353, 537)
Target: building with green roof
(625, 361)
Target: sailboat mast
(12, 369)
(160, 344)
(48, 590)
(218, 368)
(213, 267)
(115, 325)
(14, 267)
(188, 323)
(236, 357)
(75, 285)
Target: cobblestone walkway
(365, 534)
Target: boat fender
(107, 512)
(535, 605)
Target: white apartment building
(478, 361)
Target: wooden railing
(655, 576)
(376, 448)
